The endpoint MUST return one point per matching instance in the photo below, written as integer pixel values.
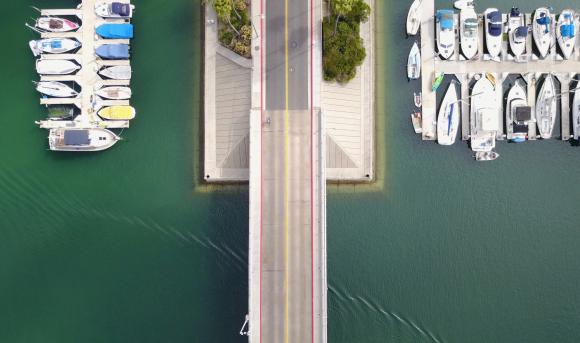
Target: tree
(223, 9)
(341, 8)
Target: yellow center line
(286, 161)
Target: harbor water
(127, 246)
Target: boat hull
(53, 45)
(483, 111)
(115, 93)
(448, 119)
(576, 115)
(414, 63)
(469, 42)
(56, 67)
(117, 113)
(567, 44)
(81, 140)
(546, 107)
(516, 98)
(117, 72)
(105, 10)
(542, 33)
(414, 18)
(493, 43)
(517, 47)
(56, 89)
(54, 24)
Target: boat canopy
(523, 114)
(121, 9)
(494, 17)
(494, 29)
(445, 18)
(522, 32)
(567, 31)
(76, 137)
(543, 19)
(115, 31)
(515, 12)
(113, 51)
(56, 44)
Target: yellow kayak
(117, 113)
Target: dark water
(126, 246)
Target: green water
(125, 246)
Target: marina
(84, 69)
(534, 50)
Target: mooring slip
(530, 55)
(104, 35)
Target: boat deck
(87, 78)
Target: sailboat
(517, 114)
(517, 32)
(114, 92)
(576, 114)
(414, 63)
(445, 32)
(448, 120)
(116, 72)
(69, 139)
(484, 118)
(468, 32)
(56, 67)
(546, 107)
(493, 32)
(114, 10)
(56, 89)
(54, 24)
(542, 30)
(566, 32)
(414, 18)
(53, 45)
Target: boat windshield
(494, 17)
(470, 28)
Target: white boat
(445, 32)
(493, 32)
(414, 63)
(486, 156)
(417, 121)
(53, 45)
(566, 32)
(414, 18)
(114, 9)
(56, 67)
(418, 98)
(576, 114)
(542, 30)
(449, 114)
(114, 92)
(546, 107)
(468, 32)
(517, 114)
(116, 72)
(56, 89)
(463, 4)
(517, 32)
(94, 139)
(54, 24)
(484, 115)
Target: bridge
(287, 249)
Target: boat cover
(56, 44)
(76, 137)
(520, 128)
(445, 19)
(522, 32)
(115, 31)
(55, 24)
(567, 31)
(120, 9)
(113, 51)
(494, 29)
(515, 12)
(543, 19)
(523, 114)
(494, 17)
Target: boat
(463, 4)
(468, 32)
(566, 32)
(484, 118)
(114, 92)
(517, 32)
(437, 79)
(60, 112)
(115, 31)
(116, 72)
(114, 10)
(113, 51)
(55, 24)
(414, 63)
(56, 89)
(69, 139)
(546, 107)
(56, 67)
(486, 156)
(449, 114)
(445, 32)
(576, 114)
(493, 32)
(517, 114)
(414, 18)
(542, 30)
(417, 121)
(117, 112)
(53, 45)
(418, 98)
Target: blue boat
(115, 31)
(113, 51)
